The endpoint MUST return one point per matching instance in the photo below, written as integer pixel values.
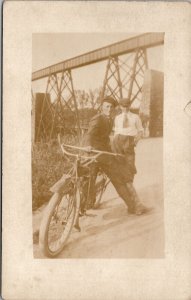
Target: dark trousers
(120, 175)
(127, 192)
(124, 145)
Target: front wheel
(57, 223)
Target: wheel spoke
(61, 223)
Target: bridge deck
(146, 40)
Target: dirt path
(110, 232)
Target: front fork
(78, 198)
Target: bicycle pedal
(91, 215)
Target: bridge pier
(124, 76)
(58, 103)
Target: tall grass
(48, 165)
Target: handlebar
(77, 155)
(97, 152)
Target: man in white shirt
(128, 130)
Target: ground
(110, 232)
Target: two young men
(118, 169)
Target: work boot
(141, 209)
(138, 209)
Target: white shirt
(134, 124)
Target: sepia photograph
(96, 150)
(97, 145)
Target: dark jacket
(117, 170)
(100, 127)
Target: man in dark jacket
(116, 168)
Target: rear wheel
(57, 223)
(100, 188)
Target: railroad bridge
(124, 76)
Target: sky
(51, 48)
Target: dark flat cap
(124, 102)
(111, 100)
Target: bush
(48, 165)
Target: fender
(62, 184)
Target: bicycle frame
(82, 160)
(81, 181)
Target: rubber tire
(98, 200)
(43, 234)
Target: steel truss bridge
(124, 75)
